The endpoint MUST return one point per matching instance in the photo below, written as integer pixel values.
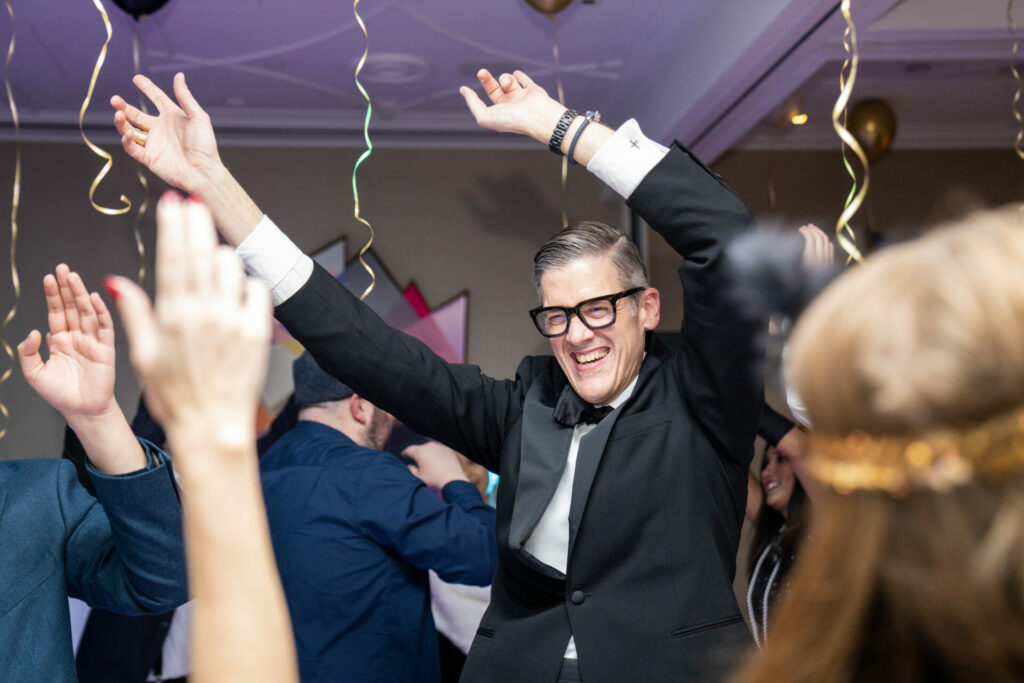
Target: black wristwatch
(555, 143)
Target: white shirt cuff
(274, 259)
(626, 158)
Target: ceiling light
(798, 119)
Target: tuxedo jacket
(123, 552)
(660, 484)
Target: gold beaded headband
(937, 459)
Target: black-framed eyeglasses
(597, 314)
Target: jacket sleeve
(124, 552)
(698, 215)
(772, 426)
(455, 404)
(453, 536)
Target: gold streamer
(1017, 78)
(81, 125)
(15, 201)
(138, 168)
(366, 154)
(561, 100)
(844, 233)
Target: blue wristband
(591, 116)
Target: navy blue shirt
(354, 533)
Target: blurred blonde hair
(925, 333)
(930, 585)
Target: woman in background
(777, 505)
(911, 367)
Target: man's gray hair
(587, 240)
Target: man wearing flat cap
(354, 534)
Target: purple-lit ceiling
(708, 72)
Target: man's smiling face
(600, 364)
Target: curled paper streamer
(81, 125)
(138, 168)
(1017, 78)
(561, 100)
(365, 155)
(15, 200)
(844, 233)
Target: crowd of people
(625, 464)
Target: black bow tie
(572, 410)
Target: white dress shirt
(549, 541)
(175, 654)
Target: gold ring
(140, 138)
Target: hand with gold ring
(178, 144)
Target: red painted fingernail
(112, 290)
(171, 196)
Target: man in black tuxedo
(623, 464)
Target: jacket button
(577, 597)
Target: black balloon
(549, 7)
(138, 8)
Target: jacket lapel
(592, 447)
(545, 447)
(589, 457)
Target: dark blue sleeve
(143, 425)
(124, 553)
(453, 536)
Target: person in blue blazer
(121, 550)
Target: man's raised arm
(688, 205)
(179, 146)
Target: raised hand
(819, 252)
(179, 143)
(78, 377)
(179, 146)
(518, 105)
(202, 351)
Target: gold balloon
(549, 7)
(873, 123)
